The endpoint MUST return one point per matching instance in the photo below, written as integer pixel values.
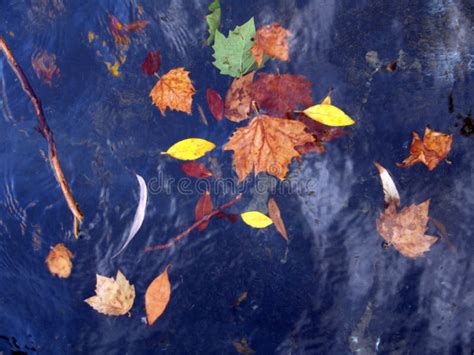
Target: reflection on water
(333, 288)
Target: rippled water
(333, 289)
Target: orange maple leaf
(271, 40)
(434, 147)
(405, 230)
(267, 144)
(174, 90)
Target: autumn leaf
(405, 230)
(242, 347)
(215, 103)
(271, 40)
(213, 20)
(197, 170)
(238, 99)
(174, 90)
(203, 208)
(328, 115)
(190, 149)
(434, 147)
(59, 261)
(44, 65)
(232, 53)
(157, 297)
(256, 219)
(118, 31)
(267, 144)
(391, 195)
(275, 215)
(114, 297)
(136, 26)
(152, 63)
(279, 94)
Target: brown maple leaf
(174, 90)
(267, 144)
(279, 94)
(434, 147)
(271, 40)
(405, 230)
(238, 99)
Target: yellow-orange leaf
(174, 90)
(190, 149)
(157, 297)
(59, 261)
(271, 40)
(256, 219)
(328, 115)
(275, 215)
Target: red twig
(195, 225)
(45, 131)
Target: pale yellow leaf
(329, 115)
(256, 219)
(190, 149)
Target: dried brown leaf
(59, 261)
(275, 215)
(238, 99)
(203, 208)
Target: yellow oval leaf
(329, 115)
(256, 219)
(190, 149)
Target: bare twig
(46, 132)
(207, 217)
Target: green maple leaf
(232, 54)
(213, 20)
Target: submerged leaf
(271, 40)
(238, 99)
(215, 103)
(203, 208)
(256, 219)
(59, 261)
(232, 53)
(190, 149)
(213, 20)
(267, 144)
(157, 297)
(44, 65)
(152, 63)
(434, 147)
(139, 214)
(114, 297)
(197, 170)
(329, 115)
(174, 90)
(275, 215)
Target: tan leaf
(274, 213)
(174, 90)
(238, 99)
(405, 230)
(59, 261)
(390, 191)
(434, 147)
(157, 297)
(267, 144)
(271, 40)
(114, 297)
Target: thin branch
(195, 225)
(45, 131)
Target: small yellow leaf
(114, 69)
(90, 36)
(326, 101)
(190, 149)
(329, 115)
(256, 219)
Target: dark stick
(45, 131)
(195, 225)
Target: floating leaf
(434, 147)
(390, 191)
(203, 208)
(267, 144)
(136, 26)
(238, 99)
(114, 69)
(114, 297)
(256, 219)
(279, 94)
(190, 149)
(197, 170)
(152, 63)
(44, 65)
(59, 261)
(213, 20)
(242, 347)
(174, 90)
(139, 214)
(271, 40)
(329, 115)
(275, 215)
(232, 54)
(405, 230)
(157, 297)
(215, 103)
